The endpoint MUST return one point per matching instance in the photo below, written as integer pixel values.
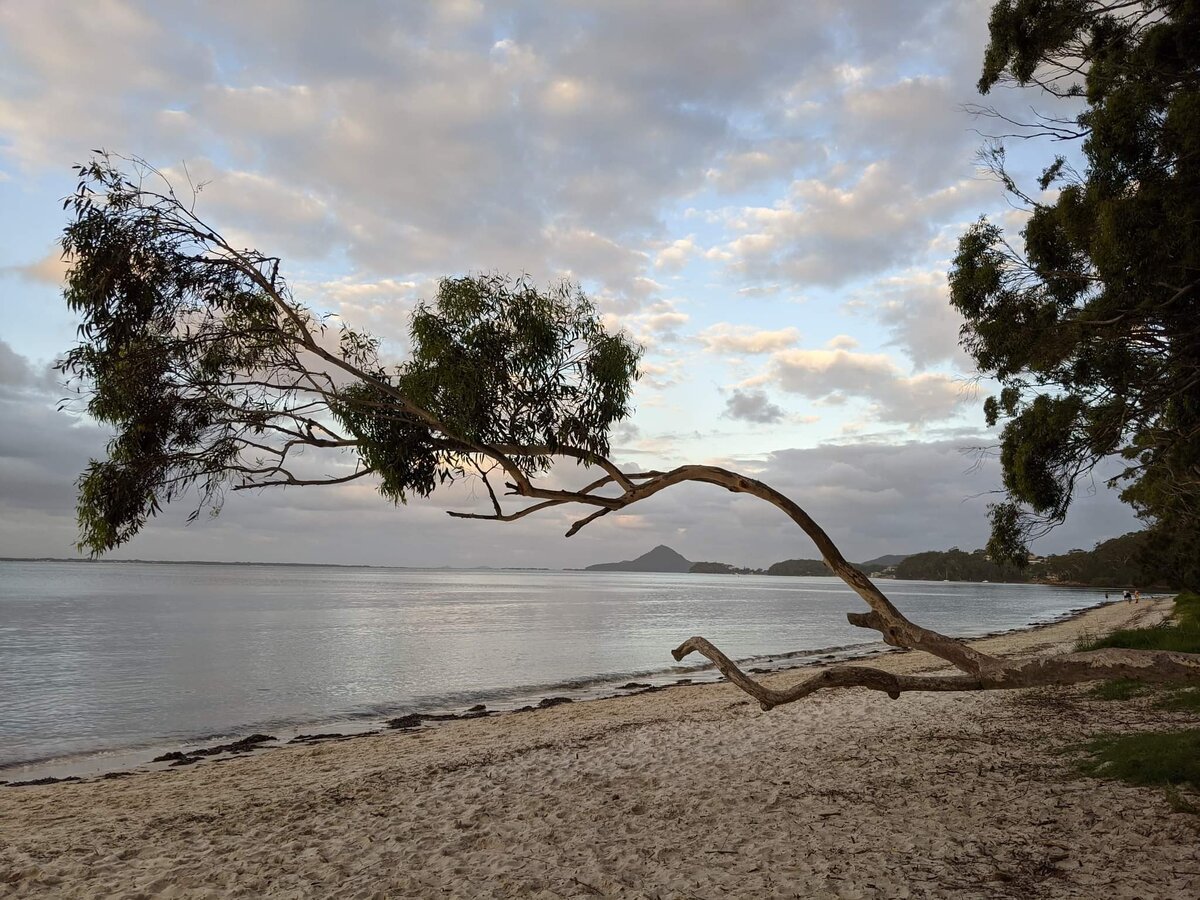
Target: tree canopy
(1091, 321)
(212, 377)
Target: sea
(104, 664)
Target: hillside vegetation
(1116, 563)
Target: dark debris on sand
(40, 781)
(187, 758)
(415, 720)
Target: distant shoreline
(300, 565)
(296, 565)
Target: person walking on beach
(1127, 597)
(1137, 596)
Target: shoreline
(119, 762)
(692, 792)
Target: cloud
(76, 75)
(911, 123)
(726, 338)
(660, 374)
(825, 234)
(18, 376)
(871, 497)
(584, 253)
(834, 375)
(655, 325)
(382, 307)
(904, 497)
(915, 306)
(51, 269)
(42, 452)
(764, 161)
(417, 142)
(260, 210)
(675, 255)
(15, 372)
(752, 406)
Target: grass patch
(1182, 635)
(1155, 758)
(1179, 803)
(1184, 700)
(1120, 689)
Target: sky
(766, 195)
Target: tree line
(1120, 562)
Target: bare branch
(1096, 665)
(290, 480)
(574, 529)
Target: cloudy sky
(765, 194)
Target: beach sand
(688, 792)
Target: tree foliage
(1117, 562)
(1091, 322)
(212, 376)
(494, 361)
(955, 565)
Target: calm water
(103, 656)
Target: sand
(688, 792)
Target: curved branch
(591, 517)
(838, 676)
(888, 620)
(1073, 668)
(583, 456)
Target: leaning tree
(214, 377)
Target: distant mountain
(660, 559)
(812, 567)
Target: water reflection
(117, 654)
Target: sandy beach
(691, 792)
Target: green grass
(1182, 635)
(1120, 689)
(1179, 699)
(1154, 758)
(1179, 803)
(1167, 759)
(1183, 700)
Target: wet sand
(687, 792)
